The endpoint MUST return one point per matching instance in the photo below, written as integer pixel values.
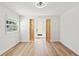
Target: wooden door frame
(48, 29)
(31, 29)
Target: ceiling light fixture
(40, 4)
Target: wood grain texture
(31, 30)
(48, 29)
(39, 48)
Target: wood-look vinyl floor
(39, 48)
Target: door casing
(31, 30)
(48, 29)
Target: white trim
(77, 52)
(1, 52)
(54, 40)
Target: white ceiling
(27, 8)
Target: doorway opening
(40, 29)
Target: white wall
(55, 21)
(7, 40)
(24, 28)
(69, 29)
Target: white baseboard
(54, 40)
(24, 40)
(74, 50)
(9, 48)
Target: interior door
(31, 30)
(48, 29)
